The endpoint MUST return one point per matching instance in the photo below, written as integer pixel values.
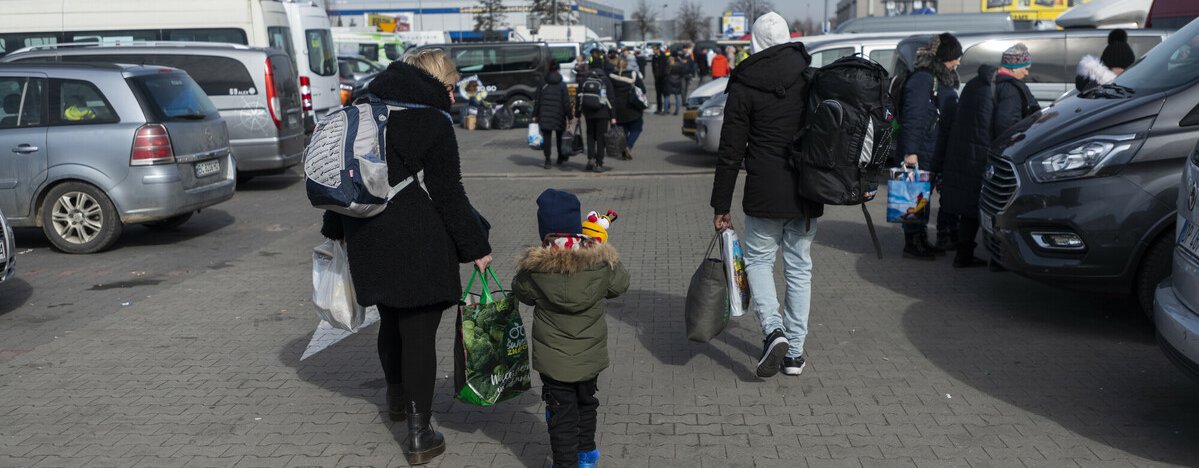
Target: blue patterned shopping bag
(909, 196)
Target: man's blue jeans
(761, 241)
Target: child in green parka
(566, 279)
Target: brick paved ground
(183, 350)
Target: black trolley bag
(846, 138)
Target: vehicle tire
(80, 219)
(522, 110)
(169, 224)
(1155, 267)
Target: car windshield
(1173, 63)
(174, 97)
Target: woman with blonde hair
(626, 107)
(405, 260)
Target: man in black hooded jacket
(763, 113)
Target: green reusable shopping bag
(491, 352)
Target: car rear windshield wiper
(190, 116)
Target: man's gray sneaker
(793, 365)
(773, 351)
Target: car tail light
(306, 93)
(151, 145)
(272, 96)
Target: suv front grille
(999, 184)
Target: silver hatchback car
(254, 89)
(90, 148)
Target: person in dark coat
(763, 114)
(405, 260)
(597, 120)
(701, 64)
(661, 65)
(1093, 71)
(552, 112)
(992, 103)
(679, 70)
(930, 99)
(625, 84)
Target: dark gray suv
(1084, 193)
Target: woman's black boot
(423, 444)
(395, 402)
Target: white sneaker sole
(770, 362)
(793, 371)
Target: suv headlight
(714, 111)
(1079, 160)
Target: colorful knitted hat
(1016, 56)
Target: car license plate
(1188, 239)
(986, 222)
(207, 168)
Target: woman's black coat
(553, 104)
(623, 97)
(409, 255)
(983, 115)
(678, 74)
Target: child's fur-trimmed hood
(565, 261)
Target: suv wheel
(169, 223)
(78, 218)
(1155, 267)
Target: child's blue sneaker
(589, 459)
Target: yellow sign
(1030, 10)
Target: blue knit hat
(558, 212)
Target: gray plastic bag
(707, 308)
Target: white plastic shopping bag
(535, 139)
(332, 289)
(734, 264)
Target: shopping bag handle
(712, 245)
(485, 296)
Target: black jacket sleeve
(917, 117)
(331, 226)
(443, 179)
(537, 102)
(734, 136)
(611, 96)
(565, 97)
(949, 115)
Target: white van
(316, 58)
(257, 23)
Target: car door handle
(24, 148)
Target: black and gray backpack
(846, 138)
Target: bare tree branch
(760, 7)
(646, 19)
(692, 23)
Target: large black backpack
(592, 94)
(846, 138)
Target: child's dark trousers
(570, 413)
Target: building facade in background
(457, 17)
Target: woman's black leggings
(407, 339)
